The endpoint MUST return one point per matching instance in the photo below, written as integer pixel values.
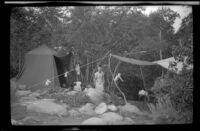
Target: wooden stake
(142, 77)
(116, 83)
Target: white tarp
(166, 62)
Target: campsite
(100, 65)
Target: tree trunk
(87, 70)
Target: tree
(30, 27)
(180, 86)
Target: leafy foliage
(76, 100)
(98, 29)
(179, 87)
(163, 108)
(94, 30)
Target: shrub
(179, 89)
(76, 100)
(163, 108)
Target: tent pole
(116, 83)
(142, 77)
(147, 97)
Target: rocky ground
(24, 117)
(89, 114)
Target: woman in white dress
(99, 79)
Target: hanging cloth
(66, 74)
(117, 77)
(47, 82)
(78, 69)
(133, 61)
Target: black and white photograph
(101, 65)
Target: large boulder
(27, 98)
(94, 121)
(23, 92)
(130, 108)
(101, 108)
(125, 121)
(87, 109)
(42, 91)
(128, 120)
(15, 122)
(18, 112)
(47, 106)
(111, 117)
(95, 95)
(34, 94)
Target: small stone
(101, 108)
(112, 107)
(22, 87)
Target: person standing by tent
(78, 72)
(99, 79)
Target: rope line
(69, 71)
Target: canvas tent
(42, 64)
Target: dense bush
(180, 91)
